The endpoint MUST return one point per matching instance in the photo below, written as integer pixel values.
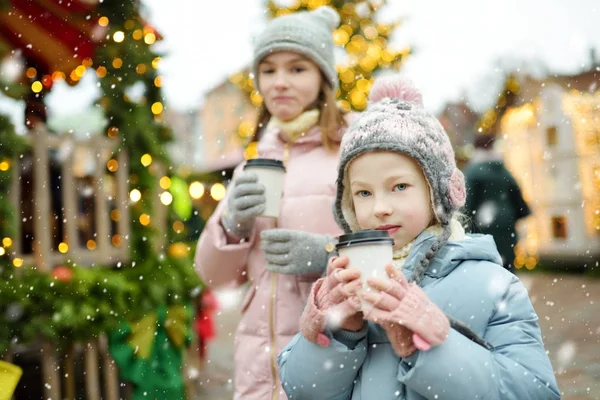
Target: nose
(382, 208)
(281, 80)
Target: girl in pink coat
(300, 125)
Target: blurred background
(121, 123)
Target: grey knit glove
(246, 202)
(296, 252)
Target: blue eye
(363, 193)
(400, 187)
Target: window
(551, 136)
(559, 227)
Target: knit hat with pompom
(309, 33)
(396, 121)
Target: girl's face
(289, 83)
(390, 192)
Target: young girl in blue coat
(450, 322)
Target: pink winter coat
(273, 304)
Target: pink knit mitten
(403, 310)
(332, 301)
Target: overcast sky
(461, 48)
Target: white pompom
(329, 15)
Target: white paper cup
(270, 173)
(369, 251)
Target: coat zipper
(272, 332)
(286, 156)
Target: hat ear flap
(457, 193)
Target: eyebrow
(388, 179)
(292, 61)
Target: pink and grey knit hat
(395, 120)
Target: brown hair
(331, 119)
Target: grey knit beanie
(309, 33)
(396, 121)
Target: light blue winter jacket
(467, 281)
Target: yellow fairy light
(146, 159)
(117, 63)
(178, 226)
(101, 72)
(370, 32)
(137, 34)
(157, 108)
(58, 76)
(156, 62)
(135, 195)
(150, 38)
(217, 191)
(178, 250)
(165, 182)
(251, 151)
(2, 251)
(140, 69)
(246, 129)
(387, 56)
(368, 64)
(112, 132)
(80, 71)
(364, 85)
(166, 198)
(115, 215)
(158, 81)
(357, 97)
(36, 86)
(129, 24)
(18, 262)
(236, 79)
(340, 37)
(145, 219)
(119, 36)
(63, 247)
(31, 72)
(91, 245)
(112, 165)
(7, 242)
(256, 98)
(87, 62)
(196, 190)
(4, 166)
(103, 21)
(347, 76)
(530, 263)
(344, 105)
(117, 240)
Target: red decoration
(62, 273)
(204, 325)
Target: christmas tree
(77, 303)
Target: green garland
(81, 302)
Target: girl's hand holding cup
(246, 202)
(333, 302)
(411, 320)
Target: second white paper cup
(271, 174)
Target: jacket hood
(474, 247)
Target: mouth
(391, 229)
(282, 98)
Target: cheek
(363, 213)
(310, 90)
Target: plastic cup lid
(365, 236)
(265, 163)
